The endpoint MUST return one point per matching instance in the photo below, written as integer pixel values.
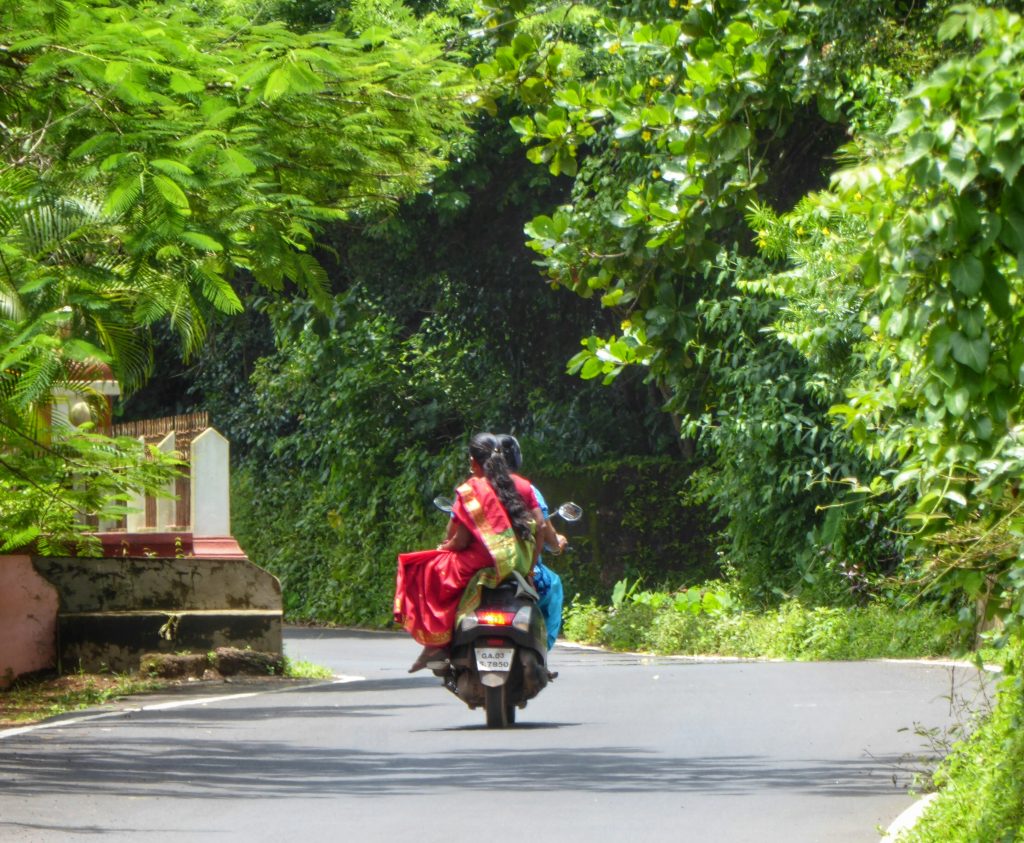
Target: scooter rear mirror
(570, 511)
(443, 503)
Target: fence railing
(200, 502)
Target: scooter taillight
(492, 617)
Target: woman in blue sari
(546, 581)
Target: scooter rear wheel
(500, 715)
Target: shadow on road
(206, 766)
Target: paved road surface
(619, 748)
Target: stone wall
(103, 614)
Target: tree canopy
(150, 154)
(809, 219)
(795, 226)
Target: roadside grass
(39, 697)
(299, 669)
(981, 783)
(31, 699)
(792, 631)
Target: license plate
(494, 658)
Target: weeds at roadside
(41, 696)
(299, 669)
(34, 698)
(706, 620)
(970, 704)
(981, 781)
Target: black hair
(486, 450)
(511, 451)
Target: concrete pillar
(166, 511)
(136, 521)
(211, 491)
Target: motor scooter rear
(498, 656)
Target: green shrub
(705, 621)
(981, 783)
(627, 627)
(584, 622)
(677, 632)
(332, 568)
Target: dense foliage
(981, 781)
(698, 112)
(806, 249)
(353, 422)
(149, 154)
(710, 620)
(808, 218)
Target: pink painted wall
(28, 619)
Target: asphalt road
(620, 747)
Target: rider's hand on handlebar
(563, 543)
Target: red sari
(435, 588)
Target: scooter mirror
(443, 503)
(570, 511)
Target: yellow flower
(826, 232)
(656, 174)
(625, 325)
(800, 231)
(673, 3)
(653, 81)
(645, 135)
(614, 48)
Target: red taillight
(491, 617)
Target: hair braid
(484, 448)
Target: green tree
(941, 200)
(691, 115)
(888, 301)
(151, 154)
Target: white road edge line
(906, 821)
(341, 679)
(593, 648)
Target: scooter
(498, 654)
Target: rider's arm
(452, 524)
(542, 527)
(457, 539)
(554, 541)
(547, 537)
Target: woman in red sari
(495, 520)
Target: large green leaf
(973, 353)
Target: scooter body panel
(503, 643)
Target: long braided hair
(486, 450)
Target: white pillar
(211, 491)
(136, 521)
(166, 513)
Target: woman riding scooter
(497, 521)
(546, 581)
